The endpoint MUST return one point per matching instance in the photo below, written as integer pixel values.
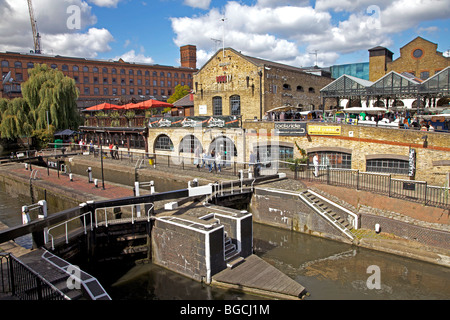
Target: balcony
(115, 122)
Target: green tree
(180, 92)
(52, 97)
(15, 119)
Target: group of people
(202, 159)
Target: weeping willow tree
(15, 118)
(52, 98)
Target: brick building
(418, 57)
(102, 80)
(229, 84)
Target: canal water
(328, 269)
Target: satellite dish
(7, 77)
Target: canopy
(66, 132)
(151, 104)
(366, 110)
(103, 106)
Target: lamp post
(101, 161)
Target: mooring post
(43, 205)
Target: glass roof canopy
(391, 85)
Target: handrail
(128, 205)
(65, 223)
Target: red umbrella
(152, 104)
(129, 106)
(103, 106)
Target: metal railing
(385, 184)
(19, 280)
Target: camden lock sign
(290, 128)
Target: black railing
(385, 184)
(22, 282)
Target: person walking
(316, 165)
(218, 161)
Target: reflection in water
(333, 270)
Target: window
(147, 73)
(139, 82)
(286, 86)
(96, 91)
(53, 66)
(105, 80)
(95, 80)
(75, 68)
(85, 79)
(163, 142)
(105, 70)
(162, 83)
(147, 92)
(182, 76)
(131, 82)
(300, 89)
(140, 92)
(155, 74)
(122, 81)
(86, 91)
(105, 91)
(424, 75)
(417, 53)
(169, 75)
(163, 92)
(161, 74)
(94, 69)
(17, 64)
(269, 153)
(114, 81)
(311, 90)
(77, 80)
(139, 73)
(122, 71)
(65, 67)
(131, 91)
(189, 143)
(30, 65)
(175, 75)
(169, 84)
(387, 166)
(85, 69)
(217, 106)
(330, 159)
(123, 91)
(114, 91)
(235, 105)
(130, 72)
(19, 77)
(154, 83)
(113, 71)
(5, 64)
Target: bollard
(89, 171)
(71, 176)
(26, 166)
(96, 183)
(43, 205)
(152, 187)
(25, 215)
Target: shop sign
(412, 163)
(223, 79)
(290, 128)
(324, 130)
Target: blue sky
(287, 31)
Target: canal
(328, 269)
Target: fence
(412, 190)
(21, 281)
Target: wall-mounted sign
(290, 128)
(223, 79)
(185, 122)
(324, 130)
(202, 109)
(412, 163)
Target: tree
(52, 98)
(15, 118)
(180, 92)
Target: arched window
(17, 64)
(5, 64)
(85, 69)
(94, 69)
(75, 68)
(235, 105)
(163, 143)
(30, 65)
(225, 146)
(65, 67)
(105, 70)
(311, 90)
(300, 88)
(286, 86)
(217, 106)
(189, 143)
(113, 71)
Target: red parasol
(103, 106)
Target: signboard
(412, 163)
(202, 109)
(324, 130)
(290, 128)
(206, 122)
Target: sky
(300, 33)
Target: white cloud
(288, 30)
(105, 3)
(131, 56)
(201, 4)
(57, 35)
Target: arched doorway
(189, 144)
(225, 146)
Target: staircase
(232, 257)
(321, 207)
